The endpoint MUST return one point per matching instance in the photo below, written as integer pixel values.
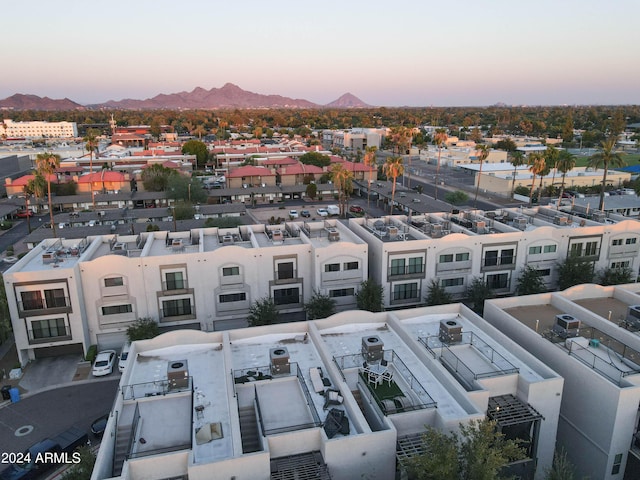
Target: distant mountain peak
(348, 100)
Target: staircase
(121, 448)
(249, 430)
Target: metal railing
(406, 270)
(607, 369)
(44, 304)
(175, 285)
(151, 389)
(498, 261)
(62, 334)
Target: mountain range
(228, 96)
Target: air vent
(277, 236)
(333, 234)
(279, 357)
(178, 374)
(633, 316)
(372, 348)
(450, 332)
(566, 326)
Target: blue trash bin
(14, 393)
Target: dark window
(498, 281)
(116, 309)
(544, 272)
(491, 258)
(630, 241)
(446, 258)
(53, 327)
(462, 257)
(342, 292)
(230, 271)
(174, 308)
(32, 300)
(233, 297)
(452, 282)
(175, 281)
(113, 282)
(405, 291)
(55, 298)
(506, 256)
(286, 296)
(415, 265)
(397, 266)
(351, 266)
(285, 270)
(332, 267)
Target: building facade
(38, 129)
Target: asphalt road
(53, 411)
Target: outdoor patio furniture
(332, 397)
(333, 422)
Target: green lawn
(631, 159)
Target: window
(32, 300)
(230, 271)
(332, 267)
(617, 242)
(174, 281)
(286, 270)
(544, 272)
(415, 265)
(506, 257)
(549, 248)
(452, 282)
(397, 266)
(405, 291)
(630, 241)
(342, 292)
(491, 258)
(116, 309)
(53, 327)
(462, 257)
(351, 265)
(286, 296)
(55, 298)
(591, 248)
(446, 258)
(620, 265)
(535, 250)
(174, 308)
(113, 282)
(576, 250)
(498, 281)
(233, 297)
(617, 461)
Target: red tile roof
(280, 161)
(22, 181)
(300, 169)
(250, 171)
(102, 176)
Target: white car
(103, 364)
(293, 214)
(322, 212)
(122, 363)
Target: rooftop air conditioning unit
(48, 258)
(372, 348)
(598, 216)
(227, 239)
(334, 235)
(520, 222)
(450, 331)
(393, 232)
(277, 236)
(479, 226)
(279, 357)
(566, 326)
(633, 316)
(436, 230)
(120, 248)
(178, 374)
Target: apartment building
(589, 334)
(407, 253)
(12, 129)
(68, 294)
(211, 404)
(464, 154)
(354, 139)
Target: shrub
(91, 353)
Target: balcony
(40, 336)
(286, 301)
(231, 280)
(286, 276)
(407, 271)
(623, 250)
(463, 266)
(43, 306)
(174, 314)
(341, 276)
(175, 287)
(498, 263)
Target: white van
(333, 209)
(122, 363)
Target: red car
(24, 214)
(356, 209)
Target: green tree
(262, 312)
(606, 158)
(370, 161)
(187, 189)
(567, 129)
(482, 152)
(456, 198)
(530, 281)
(83, 469)
(343, 180)
(369, 296)
(561, 468)
(440, 138)
(393, 168)
(155, 178)
(5, 317)
(478, 451)
(315, 158)
(615, 276)
(142, 329)
(437, 295)
(507, 144)
(477, 292)
(517, 160)
(566, 163)
(91, 145)
(46, 165)
(312, 190)
(319, 306)
(574, 271)
(197, 148)
(537, 165)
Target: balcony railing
(406, 270)
(286, 274)
(44, 306)
(506, 261)
(284, 300)
(39, 336)
(173, 285)
(173, 312)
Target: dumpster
(4, 391)
(14, 393)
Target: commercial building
(408, 252)
(30, 130)
(67, 294)
(589, 335)
(302, 400)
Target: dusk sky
(395, 53)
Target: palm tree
(537, 165)
(199, 130)
(606, 158)
(543, 173)
(91, 145)
(440, 138)
(393, 168)
(566, 162)
(46, 164)
(517, 160)
(371, 162)
(342, 178)
(482, 152)
(551, 157)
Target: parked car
(322, 212)
(99, 425)
(124, 354)
(103, 364)
(356, 209)
(305, 213)
(333, 210)
(293, 214)
(24, 213)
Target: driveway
(49, 372)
